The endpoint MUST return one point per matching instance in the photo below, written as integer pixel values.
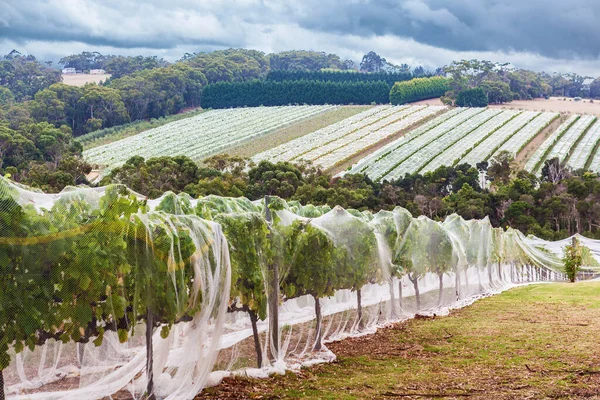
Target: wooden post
(149, 355)
(441, 288)
(273, 294)
(457, 284)
(400, 294)
(392, 299)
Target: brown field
(82, 79)
(556, 104)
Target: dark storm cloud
(550, 28)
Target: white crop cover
(339, 142)
(203, 135)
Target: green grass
(540, 341)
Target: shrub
(475, 97)
(418, 89)
(573, 259)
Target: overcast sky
(550, 35)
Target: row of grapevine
(419, 89)
(462, 135)
(215, 283)
(593, 162)
(361, 142)
(328, 134)
(327, 143)
(492, 143)
(203, 135)
(272, 93)
(463, 145)
(584, 150)
(376, 163)
(419, 159)
(566, 143)
(406, 146)
(330, 147)
(517, 142)
(536, 161)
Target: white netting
(95, 280)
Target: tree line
(503, 83)
(339, 76)
(42, 155)
(274, 93)
(553, 206)
(147, 87)
(115, 65)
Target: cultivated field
(335, 144)
(82, 79)
(385, 142)
(574, 142)
(294, 131)
(462, 135)
(203, 135)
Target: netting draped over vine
(102, 291)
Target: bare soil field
(556, 104)
(82, 79)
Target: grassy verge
(533, 342)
